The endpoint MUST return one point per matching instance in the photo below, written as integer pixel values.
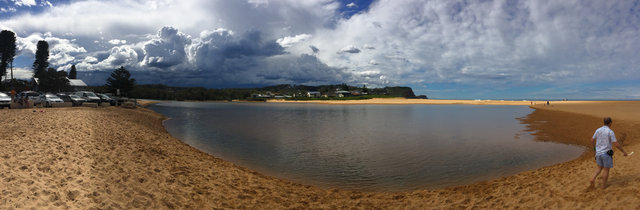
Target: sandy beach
(83, 158)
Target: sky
(539, 49)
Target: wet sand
(123, 158)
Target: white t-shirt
(604, 137)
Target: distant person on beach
(602, 140)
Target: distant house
(77, 84)
(313, 94)
(260, 95)
(342, 93)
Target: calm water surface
(366, 147)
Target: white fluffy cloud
(117, 42)
(118, 56)
(349, 49)
(61, 51)
(117, 18)
(510, 43)
(167, 49)
(291, 40)
(25, 2)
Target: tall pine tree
(41, 63)
(53, 81)
(7, 51)
(120, 79)
(72, 73)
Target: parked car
(49, 99)
(66, 98)
(106, 99)
(5, 101)
(88, 96)
(74, 99)
(31, 96)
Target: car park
(49, 99)
(5, 100)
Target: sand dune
(123, 158)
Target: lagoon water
(366, 147)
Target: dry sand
(84, 157)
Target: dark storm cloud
(304, 69)
(314, 49)
(217, 58)
(220, 49)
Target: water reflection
(366, 147)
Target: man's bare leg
(595, 175)
(605, 176)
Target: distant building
(313, 94)
(342, 93)
(260, 95)
(77, 84)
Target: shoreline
(399, 101)
(160, 171)
(406, 101)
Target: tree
(7, 50)
(344, 87)
(41, 63)
(53, 81)
(72, 73)
(120, 79)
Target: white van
(32, 96)
(89, 96)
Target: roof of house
(77, 83)
(72, 82)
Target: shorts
(605, 160)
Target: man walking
(602, 140)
